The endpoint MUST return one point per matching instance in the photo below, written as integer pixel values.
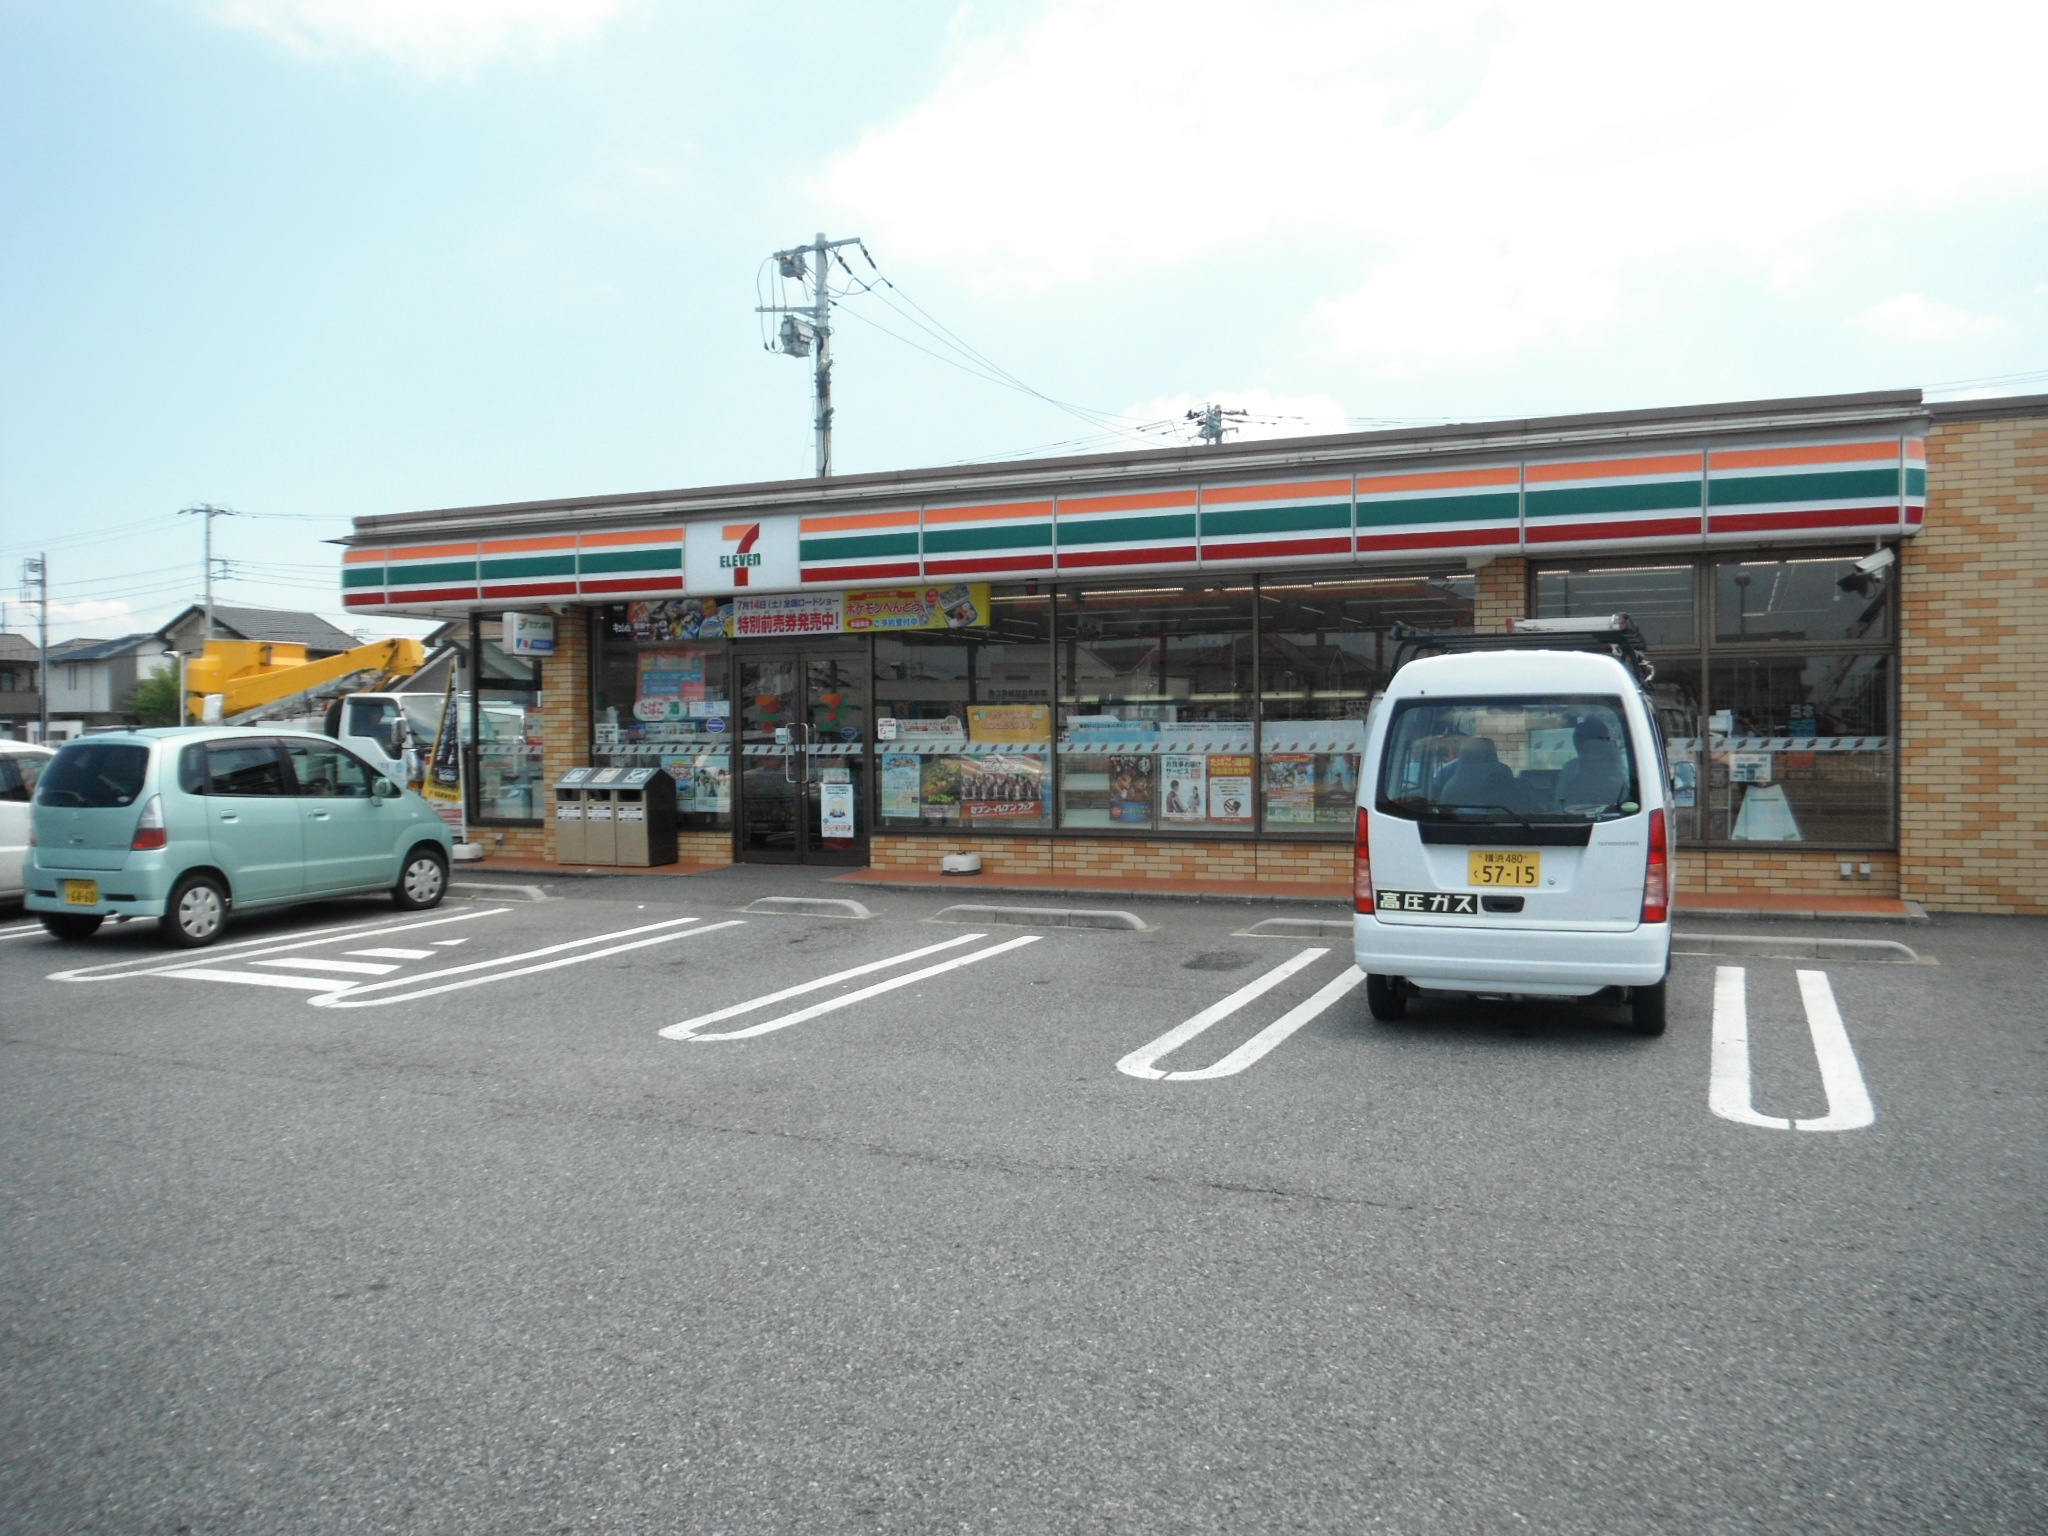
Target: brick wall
(1124, 858)
(1503, 588)
(1973, 718)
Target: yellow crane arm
(248, 674)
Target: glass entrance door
(803, 740)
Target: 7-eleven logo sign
(743, 558)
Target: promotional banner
(1230, 786)
(442, 783)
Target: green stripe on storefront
(944, 541)
(1844, 485)
(530, 565)
(1336, 514)
(438, 574)
(362, 576)
(1579, 500)
(595, 562)
(1493, 507)
(867, 546)
(1127, 530)
(1916, 482)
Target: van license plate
(1503, 866)
(81, 893)
(1461, 902)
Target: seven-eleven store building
(1158, 664)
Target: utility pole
(209, 511)
(1211, 428)
(36, 572)
(813, 337)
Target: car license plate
(1461, 902)
(81, 893)
(1503, 866)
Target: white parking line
(256, 979)
(1728, 1084)
(333, 967)
(688, 1027)
(1276, 1031)
(244, 950)
(400, 954)
(672, 929)
(863, 994)
(1140, 1062)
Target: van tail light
(1657, 877)
(1361, 868)
(149, 832)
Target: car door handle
(229, 816)
(320, 816)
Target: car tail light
(1361, 868)
(1657, 876)
(149, 832)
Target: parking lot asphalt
(630, 1209)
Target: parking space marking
(812, 1012)
(663, 933)
(689, 1027)
(1729, 1093)
(1276, 1031)
(400, 954)
(332, 967)
(256, 979)
(1140, 1062)
(244, 950)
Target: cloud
(1461, 178)
(1265, 414)
(1912, 317)
(90, 610)
(427, 37)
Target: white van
(1514, 822)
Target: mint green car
(187, 825)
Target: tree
(154, 700)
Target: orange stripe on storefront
(1156, 501)
(1832, 453)
(642, 536)
(433, 552)
(1444, 480)
(1001, 512)
(1306, 490)
(519, 546)
(847, 523)
(362, 556)
(1616, 469)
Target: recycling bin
(571, 847)
(600, 824)
(644, 817)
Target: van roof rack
(1615, 635)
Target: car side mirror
(382, 788)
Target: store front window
(1156, 724)
(503, 729)
(964, 721)
(661, 698)
(1778, 712)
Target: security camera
(1868, 573)
(1875, 561)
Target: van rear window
(1562, 758)
(94, 774)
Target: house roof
(99, 650)
(280, 626)
(17, 648)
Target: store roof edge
(1112, 470)
(1989, 410)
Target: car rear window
(244, 768)
(94, 774)
(1518, 758)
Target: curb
(806, 906)
(1914, 913)
(1127, 894)
(488, 890)
(1042, 917)
(1780, 947)
(1298, 928)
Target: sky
(317, 259)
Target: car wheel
(1387, 997)
(72, 926)
(196, 912)
(423, 882)
(1646, 1010)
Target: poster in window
(902, 783)
(1130, 790)
(835, 810)
(1006, 788)
(1230, 787)
(1183, 788)
(1009, 724)
(669, 683)
(682, 618)
(1290, 787)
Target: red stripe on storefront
(635, 584)
(430, 594)
(1440, 539)
(1268, 549)
(1183, 554)
(1636, 528)
(898, 571)
(362, 599)
(1844, 517)
(980, 564)
(533, 589)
